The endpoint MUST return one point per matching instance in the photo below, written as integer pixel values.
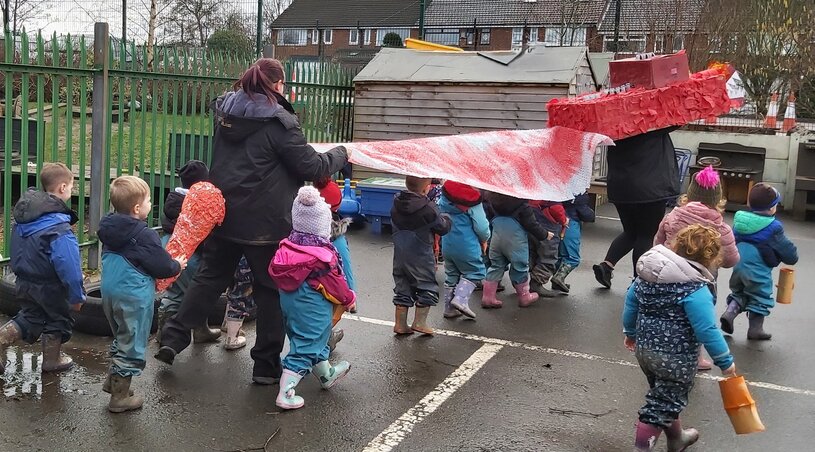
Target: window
(518, 35)
(368, 37)
(353, 37)
(328, 36)
(292, 37)
(485, 37)
(678, 43)
(444, 36)
(403, 33)
(565, 36)
(628, 44)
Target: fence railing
(150, 115)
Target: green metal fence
(155, 120)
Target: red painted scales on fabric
(553, 164)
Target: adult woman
(642, 176)
(260, 159)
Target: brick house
(355, 28)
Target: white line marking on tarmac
(396, 433)
(607, 218)
(579, 355)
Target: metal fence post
(100, 174)
(269, 51)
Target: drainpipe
(421, 18)
(617, 13)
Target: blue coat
(138, 244)
(469, 229)
(44, 249)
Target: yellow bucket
(786, 284)
(740, 406)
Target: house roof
(653, 15)
(339, 14)
(442, 13)
(538, 65)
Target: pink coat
(698, 213)
(295, 264)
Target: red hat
(459, 193)
(330, 191)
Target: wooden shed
(403, 93)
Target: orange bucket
(337, 315)
(740, 406)
(786, 284)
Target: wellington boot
(234, 340)
(461, 298)
(488, 298)
(286, 398)
(329, 375)
(420, 321)
(9, 334)
(449, 311)
(335, 338)
(401, 325)
(204, 334)
(52, 358)
(756, 330)
(679, 439)
(646, 437)
(121, 398)
(525, 297)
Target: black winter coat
(643, 168)
(131, 238)
(519, 209)
(411, 212)
(260, 159)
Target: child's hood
(662, 266)
(293, 264)
(37, 210)
(698, 213)
(408, 203)
(748, 223)
(117, 230)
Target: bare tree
(196, 17)
(272, 9)
(18, 12)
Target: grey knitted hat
(310, 214)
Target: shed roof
(443, 13)
(348, 14)
(537, 65)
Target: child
(703, 204)
(509, 246)
(132, 260)
(45, 257)
(668, 311)
(463, 262)
(434, 194)
(191, 173)
(332, 195)
(543, 255)
(240, 303)
(763, 246)
(308, 271)
(415, 219)
(578, 211)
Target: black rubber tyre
(91, 319)
(8, 298)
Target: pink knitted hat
(706, 188)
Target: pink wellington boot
(525, 297)
(488, 299)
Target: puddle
(23, 378)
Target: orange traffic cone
(771, 121)
(789, 115)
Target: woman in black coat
(642, 176)
(260, 159)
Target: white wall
(781, 157)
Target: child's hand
(730, 371)
(550, 236)
(483, 248)
(76, 307)
(629, 343)
(182, 261)
(351, 307)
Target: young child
(579, 211)
(463, 262)
(415, 219)
(132, 260)
(332, 195)
(703, 204)
(45, 258)
(509, 247)
(668, 312)
(762, 246)
(191, 173)
(543, 255)
(308, 270)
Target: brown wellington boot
(106, 385)
(401, 326)
(420, 321)
(204, 334)
(52, 358)
(9, 334)
(120, 400)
